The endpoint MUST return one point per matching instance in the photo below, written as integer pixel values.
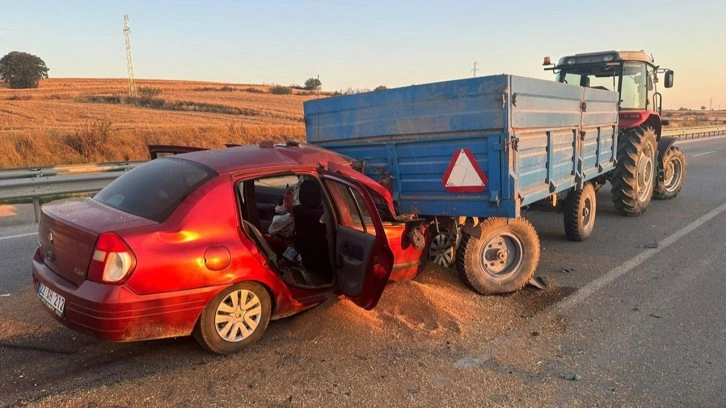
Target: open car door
(363, 257)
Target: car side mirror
(668, 81)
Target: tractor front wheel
(674, 174)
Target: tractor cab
(630, 73)
(648, 165)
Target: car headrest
(310, 194)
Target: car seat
(310, 236)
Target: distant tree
(703, 107)
(380, 88)
(313, 84)
(22, 70)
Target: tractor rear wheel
(674, 174)
(634, 177)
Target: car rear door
(363, 257)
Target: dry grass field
(68, 121)
(690, 118)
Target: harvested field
(67, 121)
(92, 120)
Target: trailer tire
(635, 175)
(580, 210)
(498, 255)
(674, 174)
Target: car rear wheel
(236, 318)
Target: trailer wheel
(502, 259)
(634, 177)
(674, 174)
(580, 209)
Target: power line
(129, 63)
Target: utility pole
(129, 63)
(710, 104)
(475, 68)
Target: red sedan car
(217, 243)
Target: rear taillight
(113, 260)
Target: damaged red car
(217, 243)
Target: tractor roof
(615, 56)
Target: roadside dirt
(429, 340)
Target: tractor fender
(664, 144)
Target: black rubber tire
(478, 261)
(580, 209)
(674, 174)
(206, 331)
(634, 178)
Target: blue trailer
(469, 154)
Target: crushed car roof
(265, 155)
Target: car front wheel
(236, 318)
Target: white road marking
(703, 154)
(596, 285)
(504, 341)
(18, 236)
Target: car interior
(289, 219)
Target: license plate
(51, 299)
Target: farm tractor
(648, 165)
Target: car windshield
(155, 189)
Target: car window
(350, 207)
(265, 199)
(155, 189)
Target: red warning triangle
(464, 175)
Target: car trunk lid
(68, 231)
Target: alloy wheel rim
(238, 315)
(441, 252)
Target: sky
(367, 43)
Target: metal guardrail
(34, 183)
(695, 132)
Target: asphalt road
(634, 316)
